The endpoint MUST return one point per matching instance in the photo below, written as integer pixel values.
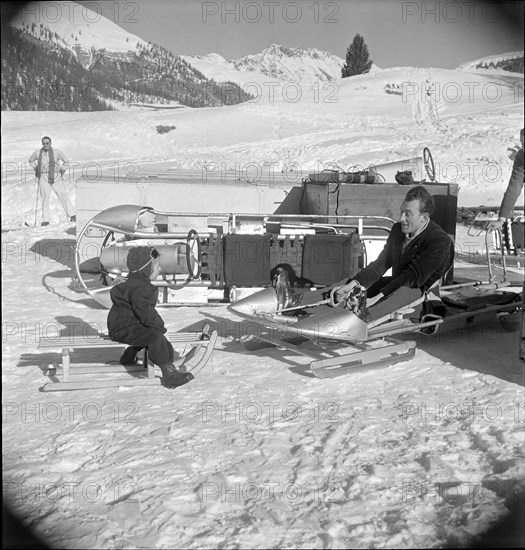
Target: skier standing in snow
(514, 189)
(510, 197)
(48, 164)
(133, 319)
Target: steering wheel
(193, 254)
(331, 299)
(428, 161)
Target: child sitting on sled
(133, 319)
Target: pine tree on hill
(357, 58)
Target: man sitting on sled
(419, 252)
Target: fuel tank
(173, 257)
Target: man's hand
(340, 293)
(495, 225)
(371, 301)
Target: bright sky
(398, 33)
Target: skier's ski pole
(36, 201)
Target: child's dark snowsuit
(133, 319)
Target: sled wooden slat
(93, 369)
(80, 376)
(104, 341)
(96, 384)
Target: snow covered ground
(470, 120)
(255, 452)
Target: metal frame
(231, 220)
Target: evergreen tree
(357, 58)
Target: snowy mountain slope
(79, 27)
(84, 32)
(216, 67)
(118, 66)
(275, 63)
(294, 64)
(491, 59)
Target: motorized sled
(340, 340)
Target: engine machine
(321, 232)
(236, 253)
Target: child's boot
(129, 357)
(172, 378)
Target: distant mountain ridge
(276, 62)
(287, 63)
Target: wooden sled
(199, 347)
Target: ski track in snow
(255, 452)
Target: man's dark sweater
(425, 259)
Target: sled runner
(199, 347)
